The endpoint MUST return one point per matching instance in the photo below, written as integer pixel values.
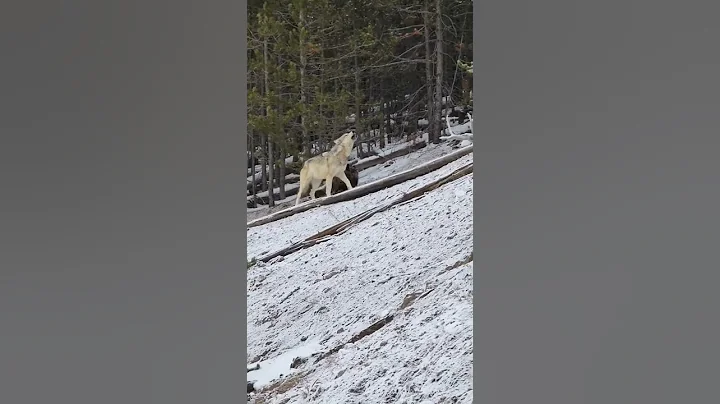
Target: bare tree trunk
(438, 71)
(465, 89)
(270, 154)
(321, 85)
(271, 172)
(263, 162)
(252, 169)
(358, 128)
(281, 176)
(371, 114)
(428, 71)
(303, 95)
(282, 149)
(336, 123)
(383, 129)
(263, 146)
(413, 117)
(388, 109)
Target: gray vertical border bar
(478, 86)
(242, 113)
(597, 201)
(122, 215)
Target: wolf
(327, 166)
(338, 186)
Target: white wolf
(325, 167)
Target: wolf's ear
(340, 139)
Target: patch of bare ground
(362, 334)
(279, 387)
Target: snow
(370, 174)
(402, 163)
(424, 354)
(459, 129)
(302, 225)
(384, 169)
(258, 175)
(391, 148)
(273, 369)
(318, 298)
(276, 190)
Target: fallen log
(343, 226)
(337, 187)
(293, 169)
(366, 189)
(397, 153)
(253, 202)
(289, 179)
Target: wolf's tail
(304, 184)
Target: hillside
(379, 313)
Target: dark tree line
(317, 68)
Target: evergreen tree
(317, 68)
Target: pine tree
(314, 63)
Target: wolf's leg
(315, 186)
(328, 186)
(304, 184)
(345, 179)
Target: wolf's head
(348, 137)
(346, 142)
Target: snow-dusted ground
(370, 174)
(281, 233)
(412, 262)
(288, 187)
(390, 148)
(318, 298)
(423, 356)
(403, 163)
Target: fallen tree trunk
(292, 176)
(381, 159)
(265, 200)
(343, 226)
(366, 189)
(289, 179)
(337, 186)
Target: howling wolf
(338, 186)
(326, 166)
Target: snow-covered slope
(411, 264)
(373, 173)
(276, 235)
